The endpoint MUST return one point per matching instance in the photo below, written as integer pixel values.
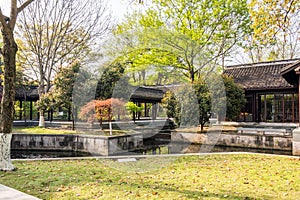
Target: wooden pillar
(293, 108)
(154, 110)
(139, 113)
(30, 111)
(258, 115)
(254, 107)
(299, 97)
(69, 114)
(283, 111)
(20, 113)
(145, 109)
(265, 108)
(275, 109)
(51, 115)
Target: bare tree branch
(24, 5)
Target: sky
(119, 7)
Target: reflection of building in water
(271, 89)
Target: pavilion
(147, 95)
(141, 95)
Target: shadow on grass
(196, 194)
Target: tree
(170, 103)
(63, 86)
(204, 101)
(8, 51)
(209, 98)
(57, 33)
(133, 109)
(111, 75)
(196, 33)
(235, 98)
(102, 110)
(276, 28)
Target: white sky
(4, 6)
(118, 7)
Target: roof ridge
(264, 63)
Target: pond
(33, 154)
(193, 148)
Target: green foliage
(111, 77)
(61, 95)
(192, 33)
(270, 17)
(46, 102)
(204, 101)
(171, 104)
(151, 66)
(64, 83)
(213, 97)
(235, 98)
(132, 107)
(275, 30)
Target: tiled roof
(289, 67)
(31, 93)
(147, 94)
(264, 75)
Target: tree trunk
(192, 75)
(110, 127)
(9, 51)
(202, 127)
(73, 117)
(5, 161)
(8, 96)
(41, 92)
(101, 123)
(42, 119)
(133, 116)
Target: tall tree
(109, 78)
(276, 29)
(63, 86)
(197, 33)
(56, 33)
(8, 51)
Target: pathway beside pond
(7, 193)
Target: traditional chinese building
(271, 89)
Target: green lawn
(39, 130)
(52, 130)
(189, 177)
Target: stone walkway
(7, 193)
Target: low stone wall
(95, 145)
(296, 142)
(233, 139)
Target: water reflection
(162, 149)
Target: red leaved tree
(102, 110)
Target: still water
(191, 148)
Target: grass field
(39, 130)
(240, 176)
(54, 130)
